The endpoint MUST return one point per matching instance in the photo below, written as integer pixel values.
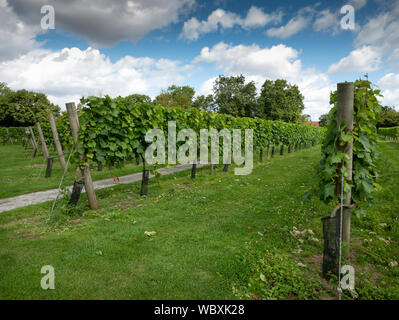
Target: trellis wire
(62, 179)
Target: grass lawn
(20, 173)
(218, 237)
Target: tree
(232, 96)
(176, 96)
(280, 100)
(135, 98)
(24, 108)
(388, 117)
(203, 103)
(324, 119)
(4, 88)
(304, 119)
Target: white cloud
(105, 23)
(69, 74)
(207, 87)
(326, 20)
(278, 62)
(390, 81)
(358, 4)
(257, 18)
(382, 31)
(293, 26)
(275, 61)
(192, 29)
(389, 85)
(15, 37)
(364, 59)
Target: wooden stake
(32, 134)
(74, 123)
(42, 140)
(57, 142)
(193, 170)
(345, 115)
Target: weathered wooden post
(49, 166)
(32, 135)
(74, 123)
(29, 137)
(193, 170)
(144, 180)
(42, 140)
(9, 136)
(345, 102)
(57, 143)
(332, 226)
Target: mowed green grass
(204, 231)
(20, 173)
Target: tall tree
(389, 117)
(280, 100)
(176, 96)
(4, 88)
(24, 108)
(204, 103)
(233, 96)
(304, 119)
(135, 98)
(324, 119)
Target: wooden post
(42, 140)
(193, 170)
(57, 142)
(32, 134)
(29, 137)
(345, 115)
(8, 138)
(74, 123)
(144, 179)
(49, 166)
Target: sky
(121, 47)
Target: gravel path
(44, 196)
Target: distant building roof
(315, 123)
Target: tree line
(277, 100)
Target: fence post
(42, 140)
(345, 102)
(32, 134)
(74, 123)
(57, 142)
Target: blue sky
(136, 46)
